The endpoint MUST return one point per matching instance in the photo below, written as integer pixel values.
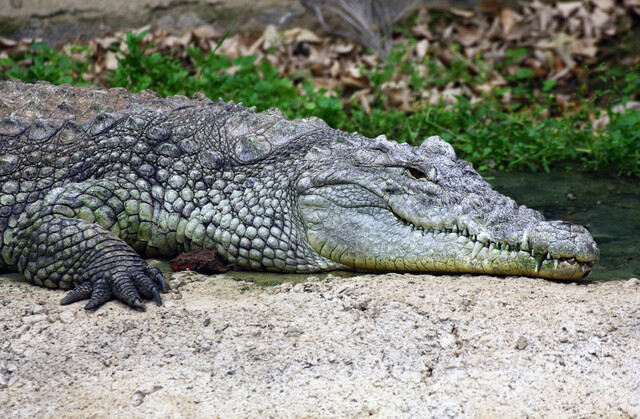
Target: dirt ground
(382, 345)
(58, 21)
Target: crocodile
(93, 181)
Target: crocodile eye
(431, 173)
(416, 173)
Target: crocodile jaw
(375, 238)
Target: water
(608, 207)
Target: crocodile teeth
(525, 241)
(454, 229)
(555, 264)
(492, 246)
(539, 259)
(476, 249)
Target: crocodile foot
(125, 284)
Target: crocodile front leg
(53, 247)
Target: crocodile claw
(127, 285)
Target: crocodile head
(376, 205)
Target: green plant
(138, 70)
(532, 130)
(43, 63)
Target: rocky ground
(387, 345)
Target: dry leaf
(584, 47)
(319, 57)
(362, 97)
(306, 35)
(446, 33)
(620, 108)
(7, 43)
(451, 95)
(360, 82)
(574, 24)
(335, 70)
(566, 9)
(342, 49)
(106, 42)
(231, 47)
(172, 41)
(495, 30)
(506, 97)
(462, 13)
(421, 49)
(544, 14)
(520, 31)
(562, 33)
(563, 101)
(290, 35)
(600, 123)
(400, 98)
(270, 37)
(468, 35)
(328, 84)
(605, 5)
(205, 32)
(111, 61)
(599, 19)
(421, 31)
(537, 67)
(561, 45)
(508, 19)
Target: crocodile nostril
(392, 189)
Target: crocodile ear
(436, 145)
(316, 153)
(41, 130)
(343, 142)
(250, 148)
(71, 132)
(12, 127)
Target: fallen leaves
(561, 37)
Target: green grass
(530, 132)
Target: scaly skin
(92, 180)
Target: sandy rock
(383, 345)
(632, 282)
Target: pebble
(176, 282)
(22, 329)
(632, 282)
(3, 381)
(137, 398)
(38, 309)
(36, 318)
(299, 287)
(67, 317)
(521, 343)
